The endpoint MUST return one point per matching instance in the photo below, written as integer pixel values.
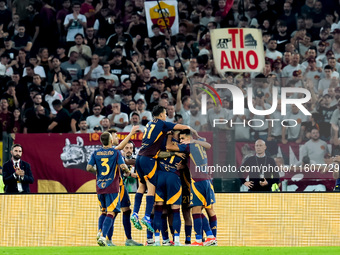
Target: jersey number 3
(104, 163)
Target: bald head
(260, 141)
(164, 102)
(40, 110)
(260, 147)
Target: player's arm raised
(182, 127)
(127, 139)
(204, 144)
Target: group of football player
(170, 168)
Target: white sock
(157, 238)
(199, 240)
(176, 239)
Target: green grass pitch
(169, 250)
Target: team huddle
(166, 168)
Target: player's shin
(101, 221)
(213, 224)
(206, 227)
(176, 224)
(188, 224)
(150, 200)
(188, 230)
(198, 226)
(165, 232)
(110, 233)
(138, 201)
(127, 224)
(170, 221)
(158, 222)
(149, 234)
(108, 223)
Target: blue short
(124, 197)
(146, 169)
(109, 202)
(169, 189)
(185, 180)
(202, 194)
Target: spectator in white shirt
(208, 16)
(160, 72)
(292, 126)
(94, 120)
(170, 112)
(324, 83)
(197, 120)
(50, 96)
(118, 119)
(112, 97)
(4, 69)
(271, 51)
(82, 127)
(109, 76)
(74, 23)
(37, 69)
(193, 67)
(93, 72)
(311, 53)
(144, 115)
(293, 66)
(140, 91)
(105, 123)
(135, 120)
(315, 148)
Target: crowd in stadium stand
(79, 67)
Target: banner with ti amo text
(237, 49)
(164, 14)
(58, 161)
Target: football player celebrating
(106, 161)
(146, 163)
(202, 193)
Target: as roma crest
(166, 11)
